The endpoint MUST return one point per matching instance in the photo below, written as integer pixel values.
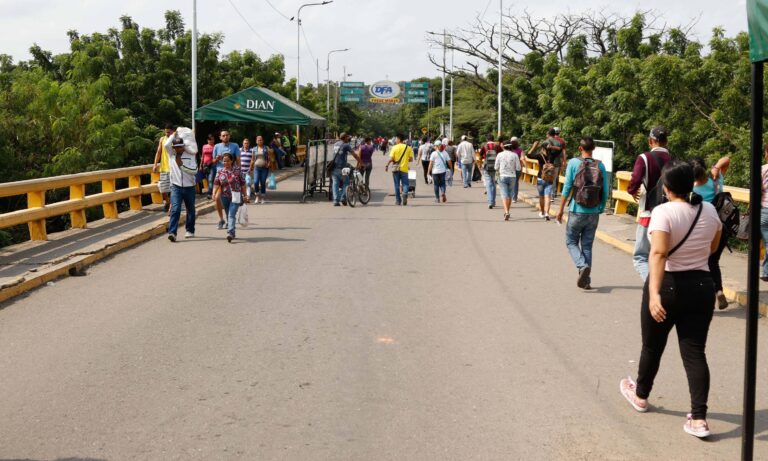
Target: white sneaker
(257, 200)
(262, 201)
(189, 235)
(541, 215)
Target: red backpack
(588, 183)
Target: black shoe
(583, 280)
(547, 217)
(344, 202)
(405, 199)
(490, 207)
(336, 204)
(172, 237)
(230, 237)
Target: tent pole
(755, 193)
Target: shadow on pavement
(57, 459)
(761, 423)
(263, 240)
(609, 289)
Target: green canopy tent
(757, 17)
(260, 105)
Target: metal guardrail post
(77, 217)
(37, 231)
(110, 208)
(135, 201)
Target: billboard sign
(384, 89)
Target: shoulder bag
(397, 169)
(695, 220)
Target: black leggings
(426, 166)
(714, 262)
(689, 299)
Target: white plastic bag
(188, 136)
(242, 216)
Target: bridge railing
(38, 211)
(623, 199)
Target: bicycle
(357, 188)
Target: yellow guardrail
(38, 211)
(623, 199)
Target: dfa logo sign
(257, 105)
(385, 89)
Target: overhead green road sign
(409, 85)
(352, 91)
(416, 100)
(419, 92)
(757, 18)
(352, 84)
(350, 98)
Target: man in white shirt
(466, 155)
(425, 150)
(507, 164)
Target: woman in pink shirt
(679, 293)
(206, 165)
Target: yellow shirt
(165, 160)
(397, 153)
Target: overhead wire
(278, 11)
(256, 33)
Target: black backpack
(490, 161)
(654, 196)
(588, 183)
(727, 210)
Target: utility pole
(194, 62)
(442, 94)
(501, 44)
(450, 111)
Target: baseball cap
(557, 130)
(514, 138)
(178, 142)
(659, 133)
(437, 143)
(463, 137)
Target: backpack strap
(695, 220)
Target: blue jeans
(178, 195)
(211, 177)
(490, 187)
(642, 250)
(516, 187)
(279, 154)
(579, 237)
(438, 180)
(260, 180)
(340, 183)
(764, 231)
(231, 210)
(400, 177)
(507, 186)
(466, 173)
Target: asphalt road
(426, 332)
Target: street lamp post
(298, 49)
(328, 80)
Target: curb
(73, 264)
(736, 296)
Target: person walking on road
(587, 190)
(465, 151)
(545, 178)
(507, 165)
(246, 164)
(162, 165)
(488, 154)
(183, 167)
(229, 189)
(261, 166)
(644, 186)
(514, 144)
(366, 156)
(439, 166)
(399, 157)
(450, 149)
(679, 293)
(225, 146)
(425, 151)
(708, 184)
(207, 165)
(341, 150)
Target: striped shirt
(245, 159)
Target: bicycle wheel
(365, 194)
(351, 196)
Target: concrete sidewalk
(30, 264)
(619, 231)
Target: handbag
(547, 170)
(744, 223)
(242, 216)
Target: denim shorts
(506, 184)
(544, 188)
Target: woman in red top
(207, 166)
(229, 187)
